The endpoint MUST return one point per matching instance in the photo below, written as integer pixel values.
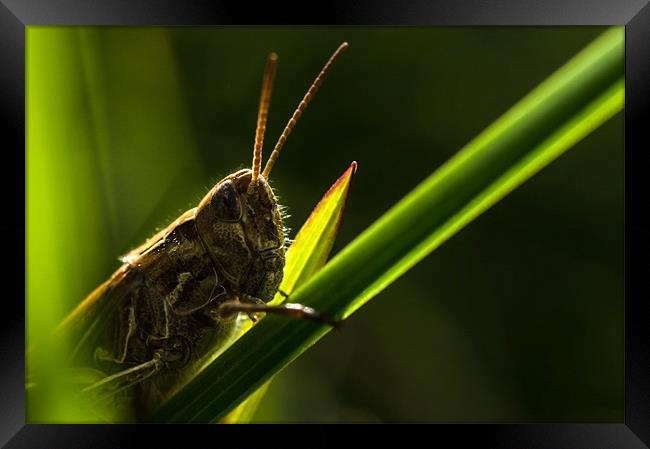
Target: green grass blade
(313, 243)
(305, 256)
(566, 107)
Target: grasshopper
(178, 295)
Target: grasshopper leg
(170, 351)
(127, 327)
(251, 305)
(128, 377)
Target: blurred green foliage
(518, 318)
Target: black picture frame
(15, 15)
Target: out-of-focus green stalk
(92, 101)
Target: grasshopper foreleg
(251, 305)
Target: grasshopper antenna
(301, 107)
(262, 114)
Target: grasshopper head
(243, 231)
(259, 217)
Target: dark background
(517, 318)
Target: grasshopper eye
(226, 202)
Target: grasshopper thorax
(242, 229)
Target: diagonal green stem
(566, 107)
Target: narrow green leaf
(305, 256)
(571, 103)
(313, 243)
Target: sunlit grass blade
(313, 243)
(571, 103)
(306, 255)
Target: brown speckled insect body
(178, 295)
